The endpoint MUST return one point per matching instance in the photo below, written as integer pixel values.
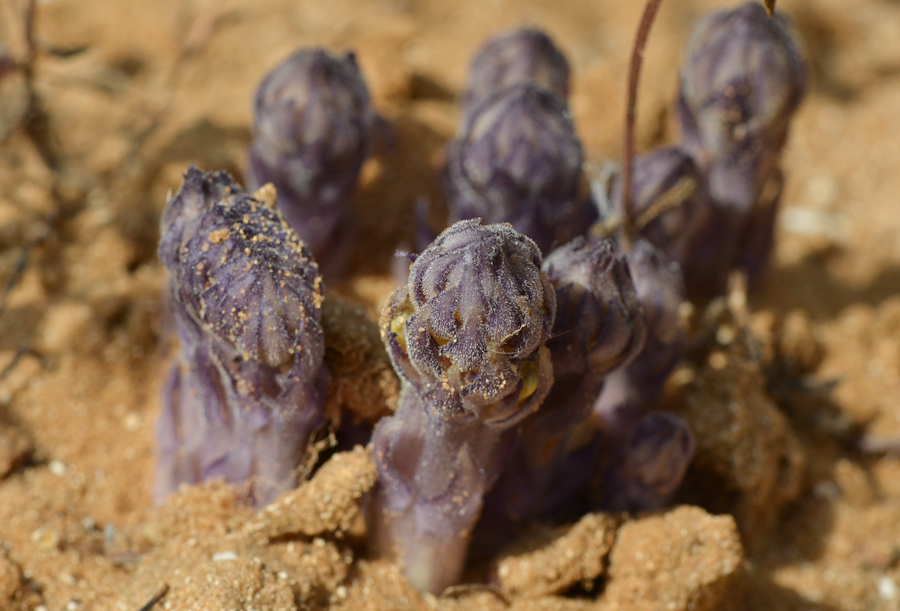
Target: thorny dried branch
(17, 50)
(21, 352)
(156, 598)
(18, 270)
(197, 37)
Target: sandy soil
(798, 467)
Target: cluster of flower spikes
(742, 81)
(709, 206)
(603, 318)
(474, 334)
(711, 202)
(565, 441)
(467, 336)
(617, 337)
(645, 452)
(313, 129)
(599, 327)
(245, 392)
(516, 157)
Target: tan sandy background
(800, 445)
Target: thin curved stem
(637, 55)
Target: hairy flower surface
(313, 121)
(466, 336)
(517, 159)
(632, 391)
(742, 80)
(671, 209)
(599, 326)
(246, 390)
(471, 319)
(524, 55)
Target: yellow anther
(398, 323)
(530, 379)
(398, 328)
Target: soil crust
(793, 501)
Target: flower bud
(517, 159)
(524, 55)
(598, 315)
(312, 131)
(645, 475)
(599, 326)
(671, 209)
(743, 79)
(472, 318)
(246, 390)
(466, 336)
(632, 391)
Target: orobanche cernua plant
(742, 81)
(516, 157)
(313, 127)
(533, 337)
(525, 55)
(466, 335)
(599, 327)
(650, 450)
(633, 389)
(245, 391)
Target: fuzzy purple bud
(632, 391)
(670, 208)
(313, 121)
(473, 316)
(245, 392)
(660, 290)
(647, 472)
(524, 55)
(742, 81)
(466, 336)
(599, 326)
(517, 159)
(598, 320)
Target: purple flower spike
(631, 392)
(742, 81)
(313, 124)
(525, 55)
(245, 392)
(517, 159)
(599, 327)
(647, 472)
(475, 313)
(466, 336)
